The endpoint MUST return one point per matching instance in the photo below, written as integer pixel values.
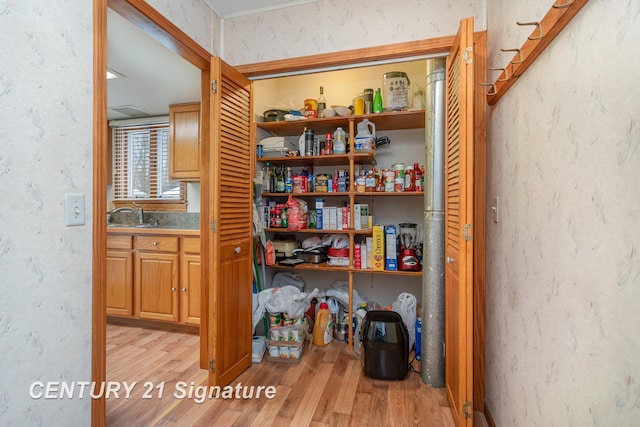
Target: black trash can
(385, 345)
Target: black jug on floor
(385, 345)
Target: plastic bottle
(334, 309)
(409, 179)
(339, 142)
(377, 102)
(280, 180)
(288, 180)
(322, 103)
(416, 167)
(322, 328)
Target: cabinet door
(190, 291)
(119, 298)
(227, 236)
(458, 225)
(156, 286)
(184, 142)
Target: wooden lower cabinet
(154, 278)
(156, 286)
(190, 281)
(119, 298)
(190, 290)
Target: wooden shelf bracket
(558, 16)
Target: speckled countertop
(183, 224)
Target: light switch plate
(74, 209)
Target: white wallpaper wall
(563, 281)
(46, 84)
(46, 138)
(334, 25)
(195, 18)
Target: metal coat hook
(519, 61)
(493, 88)
(564, 5)
(504, 70)
(538, 25)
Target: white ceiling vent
(130, 110)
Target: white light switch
(74, 209)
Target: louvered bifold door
(231, 277)
(459, 227)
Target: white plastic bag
(290, 300)
(287, 278)
(406, 305)
(340, 291)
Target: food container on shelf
(396, 91)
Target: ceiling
(153, 76)
(227, 8)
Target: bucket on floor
(385, 345)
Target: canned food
(398, 169)
(361, 184)
(295, 334)
(310, 108)
(398, 184)
(322, 183)
(284, 352)
(275, 320)
(274, 351)
(295, 352)
(297, 184)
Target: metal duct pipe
(433, 284)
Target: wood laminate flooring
(327, 388)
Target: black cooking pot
(274, 115)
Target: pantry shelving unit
(387, 121)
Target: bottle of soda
(377, 102)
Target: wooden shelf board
(326, 160)
(348, 193)
(384, 121)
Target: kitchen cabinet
(184, 142)
(119, 266)
(154, 277)
(190, 300)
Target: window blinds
(141, 163)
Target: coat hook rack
(538, 26)
(492, 90)
(558, 16)
(520, 60)
(504, 72)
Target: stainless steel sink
(115, 224)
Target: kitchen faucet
(139, 211)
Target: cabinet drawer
(191, 245)
(157, 243)
(119, 242)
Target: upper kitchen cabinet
(184, 142)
